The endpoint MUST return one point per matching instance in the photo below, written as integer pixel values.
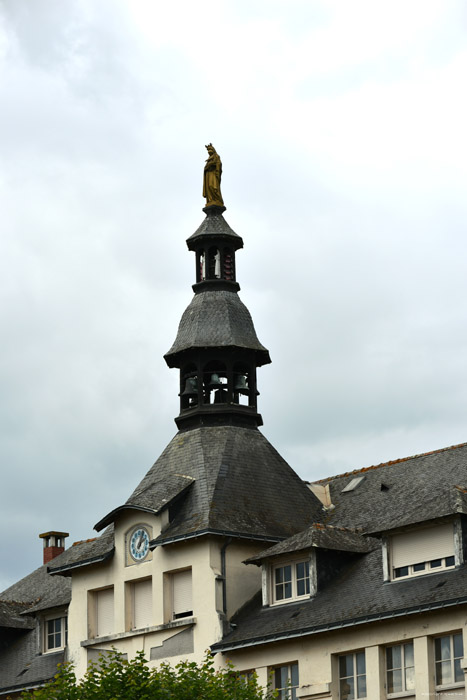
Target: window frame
(403, 668)
(93, 612)
(294, 596)
(452, 659)
(63, 619)
(288, 691)
(355, 675)
(428, 568)
(170, 614)
(131, 594)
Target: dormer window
(55, 633)
(423, 551)
(291, 581)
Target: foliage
(114, 678)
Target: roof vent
(385, 487)
(352, 485)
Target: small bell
(241, 385)
(191, 387)
(215, 382)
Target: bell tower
(216, 349)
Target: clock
(138, 544)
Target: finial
(212, 179)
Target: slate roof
(357, 594)
(391, 496)
(401, 492)
(11, 615)
(238, 484)
(21, 666)
(321, 536)
(216, 318)
(215, 225)
(86, 553)
(39, 590)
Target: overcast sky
(342, 131)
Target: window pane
(408, 654)
(450, 561)
(393, 657)
(294, 674)
(394, 681)
(347, 689)
(360, 662)
(410, 678)
(419, 567)
(401, 571)
(458, 646)
(279, 573)
(434, 563)
(346, 666)
(443, 648)
(458, 672)
(443, 672)
(361, 686)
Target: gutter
(208, 531)
(83, 562)
(254, 641)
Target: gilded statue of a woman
(212, 179)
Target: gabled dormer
(301, 566)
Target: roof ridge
(389, 463)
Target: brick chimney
(54, 544)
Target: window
(291, 581)
(285, 681)
(141, 604)
(180, 583)
(400, 672)
(177, 595)
(352, 676)
(55, 633)
(449, 651)
(101, 612)
(422, 551)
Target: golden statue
(212, 179)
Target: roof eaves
(110, 517)
(388, 464)
(83, 562)
(161, 541)
(254, 641)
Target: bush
(114, 678)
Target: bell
(191, 387)
(215, 381)
(241, 385)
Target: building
(351, 587)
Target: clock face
(139, 543)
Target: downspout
(223, 574)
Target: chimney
(54, 544)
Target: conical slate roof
(232, 481)
(216, 319)
(215, 225)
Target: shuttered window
(104, 612)
(423, 545)
(181, 594)
(141, 604)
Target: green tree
(114, 678)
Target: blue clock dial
(139, 543)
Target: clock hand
(140, 541)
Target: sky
(342, 131)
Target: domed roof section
(216, 226)
(216, 319)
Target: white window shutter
(105, 612)
(422, 545)
(142, 604)
(181, 595)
